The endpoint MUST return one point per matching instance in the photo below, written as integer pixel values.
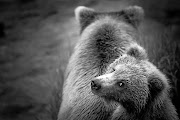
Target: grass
(163, 51)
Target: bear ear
(137, 51)
(156, 85)
(133, 15)
(84, 16)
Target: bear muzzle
(95, 85)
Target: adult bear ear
(84, 16)
(137, 52)
(133, 15)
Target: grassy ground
(40, 37)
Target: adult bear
(104, 38)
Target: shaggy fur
(138, 86)
(104, 38)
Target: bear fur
(138, 86)
(107, 40)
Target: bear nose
(95, 85)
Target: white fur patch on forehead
(106, 79)
(105, 76)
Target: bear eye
(113, 69)
(120, 84)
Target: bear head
(132, 81)
(107, 34)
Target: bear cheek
(109, 93)
(112, 93)
(140, 98)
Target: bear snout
(95, 85)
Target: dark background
(37, 38)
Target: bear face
(132, 81)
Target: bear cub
(138, 86)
